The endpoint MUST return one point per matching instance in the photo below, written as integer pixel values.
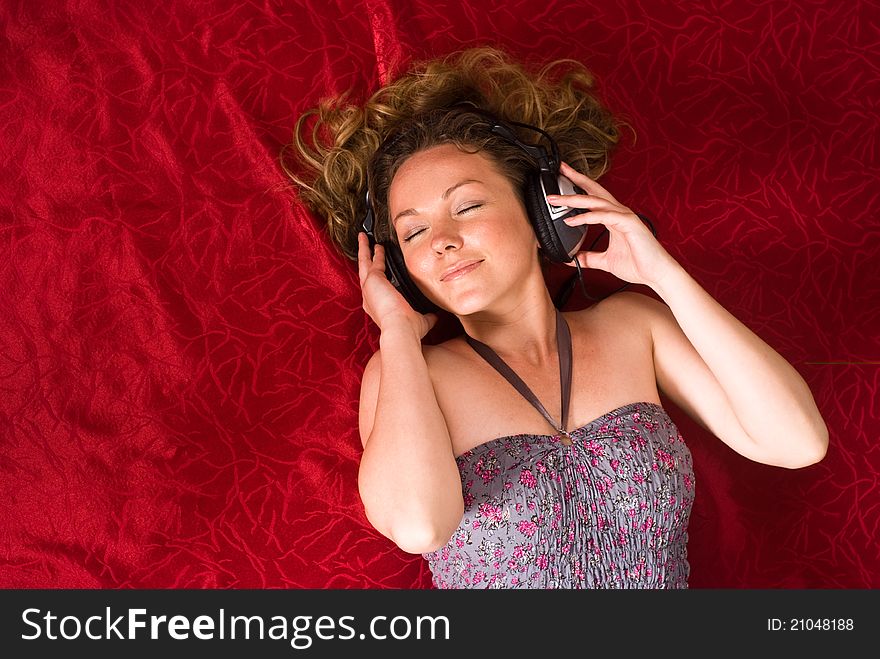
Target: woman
(574, 476)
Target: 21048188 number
(810, 624)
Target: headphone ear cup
(395, 270)
(536, 207)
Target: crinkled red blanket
(181, 346)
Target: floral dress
(609, 511)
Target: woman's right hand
(382, 302)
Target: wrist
(669, 279)
(398, 328)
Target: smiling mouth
(461, 272)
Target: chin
(464, 305)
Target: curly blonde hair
(331, 157)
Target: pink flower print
(527, 527)
(637, 443)
(666, 458)
(540, 466)
(487, 467)
(615, 464)
(507, 485)
(490, 512)
(527, 478)
(542, 561)
(687, 482)
(476, 525)
(459, 542)
(479, 576)
(595, 462)
(603, 428)
(639, 478)
(498, 553)
(595, 447)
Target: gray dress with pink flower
(609, 511)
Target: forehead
(430, 172)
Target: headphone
(558, 241)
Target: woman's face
(462, 228)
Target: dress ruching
(609, 511)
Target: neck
(524, 332)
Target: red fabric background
(181, 347)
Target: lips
(460, 269)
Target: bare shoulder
(632, 302)
(439, 359)
(447, 355)
(651, 315)
(627, 312)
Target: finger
(608, 218)
(379, 257)
(590, 260)
(589, 201)
(584, 181)
(363, 256)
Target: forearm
(770, 399)
(409, 480)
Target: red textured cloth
(181, 347)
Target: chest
(612, 365)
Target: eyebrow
(412, 211)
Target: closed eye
(462, 211)
(412, 235)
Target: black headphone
(558, 241)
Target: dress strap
(563, 345)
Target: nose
(446, 236)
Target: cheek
(417, 263)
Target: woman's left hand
(633, 253)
